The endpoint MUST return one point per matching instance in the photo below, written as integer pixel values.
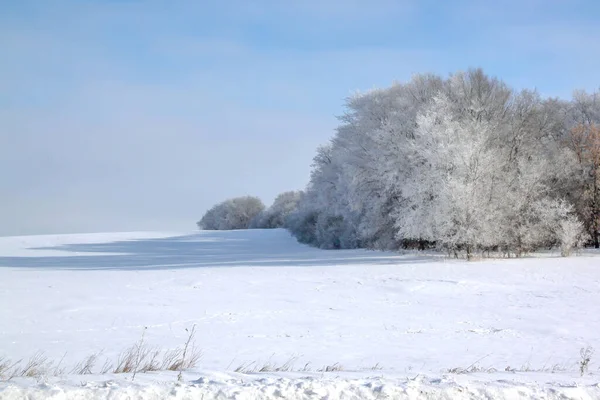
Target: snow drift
(401, 326)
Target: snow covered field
(387, 324)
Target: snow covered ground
(387, 324)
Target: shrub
(236, 213)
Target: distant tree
(275, 216)
(236, 213)
(463, 163)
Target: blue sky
(138, 115)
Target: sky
(127, 115)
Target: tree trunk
(469, 253)
(596, 210)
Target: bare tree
(584, 140)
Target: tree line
(464, 163)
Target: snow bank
(307, 388)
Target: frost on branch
(234, 213)
(465, 164)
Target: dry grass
(106, 367)
(376, 367)
(586, 356)
(5, 365)
(138, 358)
(37, 365)
(142, 358)
(471, 370)
(174, 360)
(145, 359)
(475, 368)
(8, 368)
(184, 359)
(332, 368)
(152, 361)
(527, 368)
(126, 361)
(269, 366)
(171, 360)
(85, 366)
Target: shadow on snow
(259, 248)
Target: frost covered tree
(463, 163)
(571, 234)
(236, 213)
(276, 215)
(450, 192)
(357, 178)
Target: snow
(396, 324)
(306, 388)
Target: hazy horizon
(140, 115)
